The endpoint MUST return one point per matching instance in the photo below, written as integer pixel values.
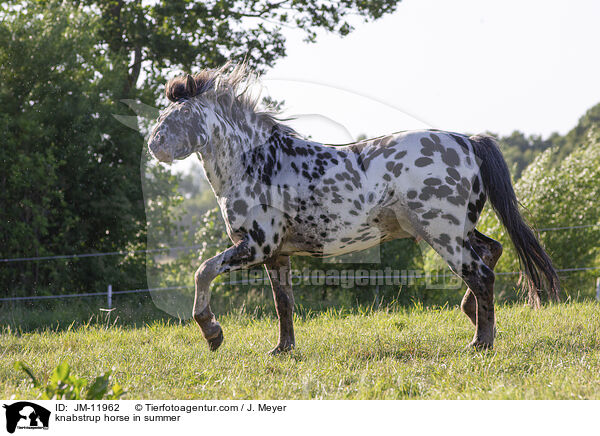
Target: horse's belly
(356, 235)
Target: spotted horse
(282, 195)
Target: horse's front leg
(242, 255)
(278, 269)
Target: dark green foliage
(70, 181)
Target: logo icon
(26, 415)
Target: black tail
(498, 187)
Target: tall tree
(70, 173)
(169, 34)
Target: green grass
(553, 353)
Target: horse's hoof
(280, 349)
(216, 341)
(480, 345)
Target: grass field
(417, 353)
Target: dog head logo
(26, 415)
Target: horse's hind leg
(490, 251)
(480, 279)
(278, 269)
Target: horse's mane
(230, 88)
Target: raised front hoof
(280, 349)
(215, 340)
(477, 345)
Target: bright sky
(461, 65)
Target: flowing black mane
(230, 88)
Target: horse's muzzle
(156, 145)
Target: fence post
(110, 296)
(598, 289)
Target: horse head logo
(28, 415)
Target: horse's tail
(498, 187)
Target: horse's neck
(222, 160)
(219, 167)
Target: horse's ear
(190, 84)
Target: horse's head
(211, 111)
(179, 130)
